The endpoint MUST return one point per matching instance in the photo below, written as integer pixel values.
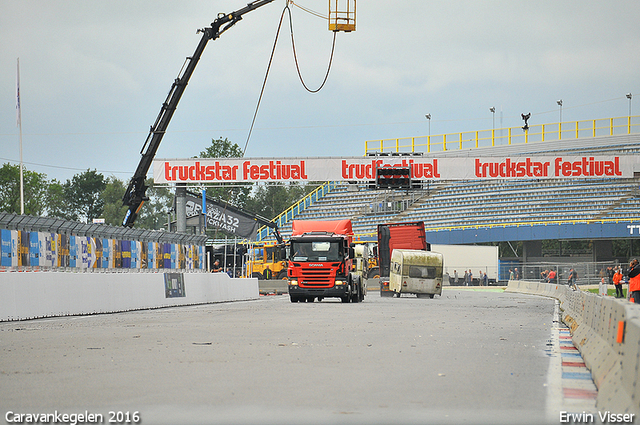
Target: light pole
(629, 96)
(428, 116)
(559, 102)
(493, 111)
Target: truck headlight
(293, 282)
(339, 282)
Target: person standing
(216, 267)
(617, 281)
(634, 281)
(602, 287)
(610, 273)
(455, 277)
(573, 276)
(466, 278)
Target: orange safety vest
(634, 283)
(617, 278)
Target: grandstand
(473, 204)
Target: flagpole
(19, 118)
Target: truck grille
(316, 278)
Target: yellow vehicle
(267, 262)
(362, 261)
(366, 260)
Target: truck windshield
(315, 251)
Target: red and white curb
(571, 390)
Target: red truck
(321, 259)
(392, 236)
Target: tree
(84, 195)
(271, 200)
(114, 211)
(237, 194)
(56, 202)
(154, 213)
(34, 186)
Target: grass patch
(611, 292)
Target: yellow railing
(264, 233)
(507, 136)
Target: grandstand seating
(496, 202)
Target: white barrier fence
(29, 295)
(606, 331)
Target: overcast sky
(95, 73)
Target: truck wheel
(355, 298)
(374, 273)
(294, 299)
(397, 294)
(345, 299)
(282, 275)
(361, 294)
(354, 291)
(431, 295)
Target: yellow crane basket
(342, 15)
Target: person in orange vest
(617, 281)
(634, 281)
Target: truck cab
(393, 236)
(320, 262)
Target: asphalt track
(470, 356)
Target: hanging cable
(264, 83)
(309, 11)
(295, 57)
(273, 50)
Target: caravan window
(422, 272)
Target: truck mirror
(375, 251)
(352, 253)
(283, 253)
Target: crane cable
(264, 83)
(273, 50)
(295, 56)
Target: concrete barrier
(29, 295)
(606, 331)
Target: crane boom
(135, 194)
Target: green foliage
(153, 214)
(234, 194)
(270, 200)
(56, 201)
(35, 187)
(112, 194)
(84, 196)
(222, 148)
(90, 195)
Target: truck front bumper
(338, 291)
